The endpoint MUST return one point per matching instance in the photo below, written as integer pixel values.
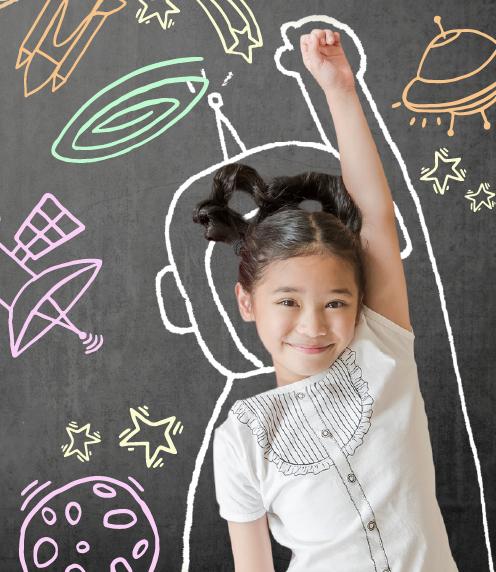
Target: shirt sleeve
(392, 335)
(236, 491)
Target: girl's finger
(329, 37)
(319, 36)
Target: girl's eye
(282, 302)
(337, 302)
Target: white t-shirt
(341, 461)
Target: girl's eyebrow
(344, 291)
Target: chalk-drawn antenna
(46, 227)
(93, 342)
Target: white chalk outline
(193, 327)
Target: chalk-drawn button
(387, 570)
(351, 478)
(300, 395)
(326, 433)
(371, 525)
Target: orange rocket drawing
(46, 55)
(447, 81)
(5, 3)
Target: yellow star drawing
(81, 451)
(152, 460)
(486, 201)
(430, 175)
(145, 13)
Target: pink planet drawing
(94, 523)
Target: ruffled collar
(253, 411)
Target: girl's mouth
(310, 349)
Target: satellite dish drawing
(42, 300)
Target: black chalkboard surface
(121, 346)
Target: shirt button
(326, 433)
(300, 395)
(371, 525)
(351, 478)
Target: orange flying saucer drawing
(447, 81)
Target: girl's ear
(244, 303)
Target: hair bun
(329, 190)
(220, 221)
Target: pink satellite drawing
(38, 301)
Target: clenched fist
(324, 57)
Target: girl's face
(300, 302)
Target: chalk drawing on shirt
(282, 429)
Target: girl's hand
(325, 59)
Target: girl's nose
(312, 324)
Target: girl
(336, 459)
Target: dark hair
(280, 229)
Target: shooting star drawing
(36, 302)
(46, 56)
(233, 20)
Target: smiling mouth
(310, 347)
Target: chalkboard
(121, 346)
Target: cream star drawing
(159, 9)
(134, 437)
(441, 157)
(80, 439)
(483, 197)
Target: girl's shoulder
(380, 320)
(389, 337)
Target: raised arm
(363, 175)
